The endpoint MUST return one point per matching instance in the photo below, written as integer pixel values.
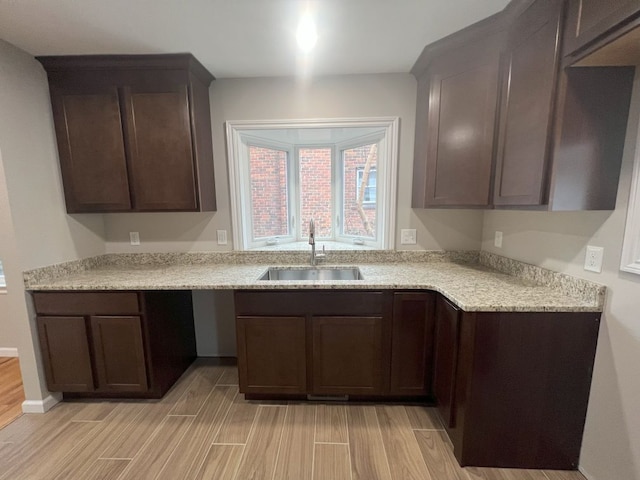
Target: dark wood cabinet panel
(462, 91)
(412, 343)
(119, 355)
(272, 355)
(522, 388)
(587, 20)
(528, 99)
(134, 132)
(445, 358)
(65, 351)
(158, 127)
(91, 148)
(115, 344)
(348, 356)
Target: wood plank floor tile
(563, 475)
(35, 424)
(295, 460)
(475, 473)
(238, 422)
(423, 418)
(80, 460)
(35, 463)
(104, 470)
(260, 454)
(368, 457)
(331, 462)
(93, 411)
(331, 424)
(401, 446)
(193, 398)
(129, 442)
(221, 462)
(187, 457)
(153, 455)
(438, 456)
(229, 376)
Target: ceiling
(243, 38)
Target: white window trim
(388, 190)
(630, 261)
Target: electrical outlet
(408, 236)
(497, 241)
(222, 237)
(134, 238)
(593, 259)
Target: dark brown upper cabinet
(589, 20)
(455, 123)
(526, 109)
(134, 132)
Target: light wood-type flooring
(203, 429)
(11, 392)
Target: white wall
(287, 98)
(39, 232)
(611, 446)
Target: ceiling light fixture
(307, 34)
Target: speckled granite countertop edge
(474, 281)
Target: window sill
(304, 245)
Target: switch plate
(222, 237)
(134, 237)
(497, 241)
(408, 236)
(593, 259)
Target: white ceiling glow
(307, 33)
(243, 38)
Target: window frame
(386, 191)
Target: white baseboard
(8, 352)
(41, 406)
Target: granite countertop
(473, 281)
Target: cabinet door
(412, 343)
(589, 19)
(529, 88)
(159, 140)
(65, 354)
(91, 146)
(272, 354)
(445, 359)
(119, 353)
(463, 99)
(348, 356)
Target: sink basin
(311, 273)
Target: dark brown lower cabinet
(65, 353)
(272, 354)
(348, 356)
(115, 344)
(118, 349)
(445, 358)
(522, 385)
(412, 343)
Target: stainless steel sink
(311, 273)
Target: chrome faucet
(312, 241)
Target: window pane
(315, 190)
(359, 186)
(269, 195)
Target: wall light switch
(408, 236)
(593, 259)
(134, 237)
(497, 241)
(222, 237)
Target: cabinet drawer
(301, 302)
(86, 303)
